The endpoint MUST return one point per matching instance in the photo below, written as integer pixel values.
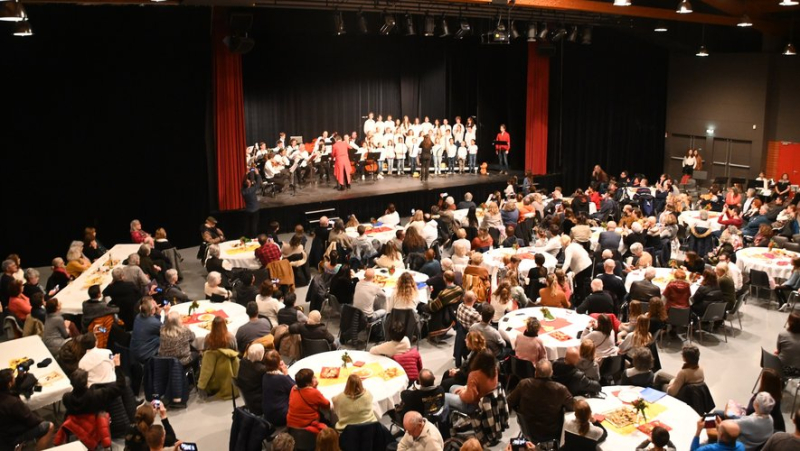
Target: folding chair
(680, 317)
(714, 312)
(736, 311)
(760, 281)
(314, 346)
(771, 361)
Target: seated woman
(268, 305)
(788, 349)
(213, 286)
(398, 342)
(641, 373)
(552, 295)
(305, 403)
(501, 301)
(176, 341)
(314, 329)
(481, 381)
(707, 294)
(583, 425)
(588, 362)
(390, 258)
(694, 263)
(634, 312)
(343, 285)
(77, 263)
(354, 405)
(678, 291)
(690, 373)
(146, 335)
(276, 387)
(219, 337)
(405, 295)
(601, 333)
(483, 241)
(641, 336)
(476, 343)
(529, 346)
(18, 304)
(764, 236)
(657, 314)
(143, 421)
(414, 242)
(250, 377)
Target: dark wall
(607, 107)
(783, 103)
(104, 122)
(302, 79)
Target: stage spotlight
(532, 31)
(559, 34)
(745, 22)
(339, 24)
(514, 32)
(622, 2)
(464, 29)
(661, 27)
(499, 35)
(544, 31)
(23, 28)
(388, 24)
(445, 28)
(12, 11)
(586, 37)
(410, 31)
(684, 7)
(789, 3)
(789, 50)
(702, 52)
(573, 34)
(362, 23)
(430, 25)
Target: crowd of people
(465, 293)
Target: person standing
(341, 165)
(425, 154)
(502, 149)
(250, 185)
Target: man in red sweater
(502, 149)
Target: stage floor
(325, 192)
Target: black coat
(644, 290)
(124, 295)
(576, 382)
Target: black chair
(794, 247)
(759, 280)
(654, 351)
(311, 346)
(611, 368)
(680, 317)
(520, 369)
(714, 312)
(303, 439)
(735, 311)
(217, 298)
(574, 442)
(697, 396)
(409, 319)
(495, 234)
(771, 361)
(353, 323)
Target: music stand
(499, 143)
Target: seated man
(438, 308)
(426, 397)
(540, 403)
(172, 291)
(215, 263)
(727, 433)
(253, 329)
(566, 373)
(431, 267)
(245, 292)
(95, 307)
(20, 424)
(420, 434)
(494, 341)
(369, 297)
(314, 329)
(644, 290)
(363, 250)
(99, 363)
(597, 302)
(268, 252)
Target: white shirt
(469, 134)
(413, 148)
(451, 150)
(429, 440)
(417, 129)
(473, 149)
(430, 232)
(99, 363)
(458, 132)
(369, 126)
(391, 219)
(736, 275)
(400, 151)
(576, 259)
(426, 127)
(689, 161)
(391, 348)
(445, 128)
(269, 306)
(462, 153)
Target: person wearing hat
(210, 233)
(314, 329)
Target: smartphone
(159, 290)
(165, 302)
(188, 446)
(102, 330)
(518, 444)
(711, 421)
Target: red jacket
(90, 429)
(503, 137)
(411, 362)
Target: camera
(711, 421)
(24, 367)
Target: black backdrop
(302, 80)
(613, 94)
(104, 121)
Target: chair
(735, 311)
(771, 361)
(217, 298)
(680, 317)
(408, 318)
(249, 431)
(520, 369)
(714, 312)
(792, 301)
(780, 241)
(366, 436)
(11, 327)
(352, 323)
(794, 247)
(575, 442)
(760, 281)
(654, 351)
(311, 346)
(697, 396)
(303, 439)
(332, 304)
(611, 368)
(167, 378)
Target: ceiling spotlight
(702, 52)
(543, 31)
(622, 2)
(444, 27)
(362, 23)
(158, 1)
(789, 3)
(532, 31)
(586, 37)
(464, 28)
(745, 21)
(338, 22)
(23, 28)
(430, 25)
(410, 30)
(789, 50)
(573, 34)
(514, 31)
(559, 34)
(661, 27)
(388, 24)
(499, 35)
(12, 12)
(684, 7)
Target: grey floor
(730, 368)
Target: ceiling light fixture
(12, 11)
(702, 52)
(444, 27)
(745, 21)
(684, 7)
(789, 3)
(410, 30)
(532, 31)
(789, 50)
(573, 34)
(543, 31)
(586, 37)
(514, 31)
(338, 22)
(661, 27)
(464, 29)
(362, 23)
(430, 26)
(389, 23)
(23, 28)
(622, 2)
(559, 34)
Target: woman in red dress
(341, 165)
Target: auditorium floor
(731, 368)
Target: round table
(236, 315)
(663, 277)
(676, 414)
(389, 281)
(566, 322)
(493, 259)
(240, 256)
(689, 218)
(381, 233)
(777, 262)
(385, 389)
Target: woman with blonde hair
(414, 242)
(405, 296)
(352, 221)
(176, 340)
(640, 338)
(492, 217)
(563, 283)
(77, 263)
(354, 406)
(501, 301)
(390, 258)
(588, 362)
(417, 221)
(219, 338)
(552, 295)
(634, 312)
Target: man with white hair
(636, 251)
(726, 285)
(420, 434)
(369, 297)
(756, 428)
(131, 272)
(644, 290)
(751, 229)
(609, 239)
(173, 292)
(58, 279)
(467, 202)
(597, 302)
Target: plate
(628, 396)
(329, 372)
(206, 317)
(363, 373)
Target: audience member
(368, 296)
(276, 386)
(20, 424)
(354, 405)
(528, 345)
(539, 401)
(253, 329)
(420, 434)
(305, 403)
(566, 372)
(251, 377)
(493, 339)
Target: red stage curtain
(537, 111)
(228, 116)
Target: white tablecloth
(777, 263)
(689, 218)
(493, 259)
(382, 237)
(419, 278)
(73, 295)
(33, 348)
(232, 252)
(72, 446)
(236, 316)
(555, 348)
(663, 277)
(678, 415)
(385, 394)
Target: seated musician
(276, 172)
